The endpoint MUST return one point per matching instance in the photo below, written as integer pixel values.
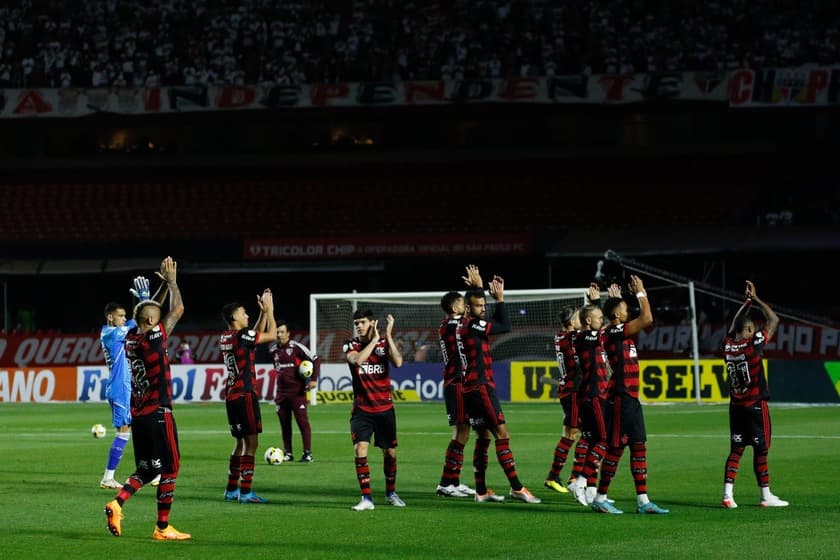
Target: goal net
(417, 316)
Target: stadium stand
(136, 43)
(193, 211)
(599, 159)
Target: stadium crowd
(133, 43)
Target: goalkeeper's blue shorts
(120, 413)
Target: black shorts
(628, 423)
(244, 416)
(155, 442)
(483, 408)
(453, 396)
(750, 425)
(382, 425)
(594, 418)
(571, 411)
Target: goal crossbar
(423, 298)
(533, 314)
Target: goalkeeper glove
(141, 288)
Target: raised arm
(645, 318)
(162, 291)
(266, 326)
(393, 351)
(772, 319)
(473, 277)
(501, 318)
(593, 294)
(141, 289)
(497, 289)
(169, 274)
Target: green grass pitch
(52, 503)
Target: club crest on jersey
(289, 351)
(380, 351)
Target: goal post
(533, 315)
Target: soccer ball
(305, 369)
(273, 455)
(98, 431)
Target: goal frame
(431, 297)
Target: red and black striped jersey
(745, 369)
(238, 356)
(589, 346)
(567, 363)
(473, 341)
(371, 378)
(151, 380)
(624, 360)
(448, 339)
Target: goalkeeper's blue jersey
(113, 348)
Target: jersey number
(739, 377)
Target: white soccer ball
(273, 455)
(305, 369)
(98, 431)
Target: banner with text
(204, 383)
(394, 246)
(779, 87)
(793, 341)
(802, 86)
(660, 381)
(673, 381)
